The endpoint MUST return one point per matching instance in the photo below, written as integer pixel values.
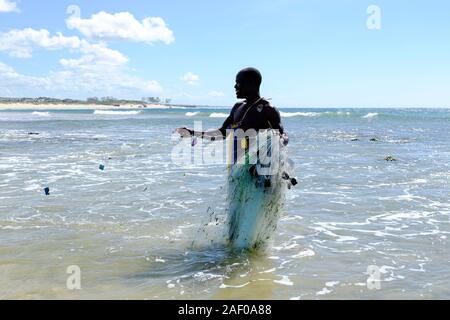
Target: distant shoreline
(143, 106)
(79, 106)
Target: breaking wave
(370, 115)
(218, 115)
(119, 113)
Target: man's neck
(252, 99)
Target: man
(254, 112)
(250, 221)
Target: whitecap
(342, 113)
(346, 238)
(218, 115)
(332, 283)
(284, 281)
(201, 276)
(370, 115)
(305, 253)
(324, 291)
(299, 114)
(223, 286)
(117, 112)
(191, 114)
(41, 114)
(269, 271)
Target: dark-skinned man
(254, 112)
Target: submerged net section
(256, 194)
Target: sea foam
(370, 115)
(41, 114)
(116, 112)
(299, 114)
(218, 115)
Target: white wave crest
(41, 114)
(299, 114)
(342, 113)
(218, 115)
(370, 115)
(191, 114)
(116, 112)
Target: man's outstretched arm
(185, 132)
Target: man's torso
(252, 117)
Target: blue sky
(312, 53)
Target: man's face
(243, 87)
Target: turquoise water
(130, 227)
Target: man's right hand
(285, 139)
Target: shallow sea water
(131, 227)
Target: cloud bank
(90, 67)
(8, 6)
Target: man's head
(248, 81)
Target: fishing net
(256, 192)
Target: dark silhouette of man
(254, 112)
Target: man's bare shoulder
(267, 107)
(236, 106)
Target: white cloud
(191, 79)
(76, 82)
(89, 69)
(96, 55)
(216, 94)
(119, 26)
(8, 6)
(22, 43)
(98, 70)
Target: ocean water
(356, 226)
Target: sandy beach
(49, 106)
